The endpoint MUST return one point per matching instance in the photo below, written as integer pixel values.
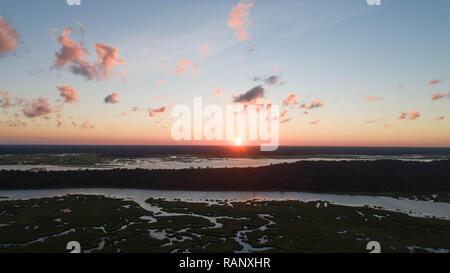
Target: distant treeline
(215, 151)
(344, 176)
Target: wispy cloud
(14, 123)
(371, 121)
(439, 96)
(133, 109)
(181, 66)
(271, 80)
(434, 82)
(86, 124)
(154, 111)
(204, 48)
(283, 114)
(372, 98)
(218, 92)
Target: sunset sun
(237, 141)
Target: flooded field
(91, 161)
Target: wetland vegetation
(103, 224)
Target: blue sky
(337, 51)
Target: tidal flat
(104, 224)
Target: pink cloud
(159, 98)
(218, 92)
(314, 122)
(439, 96)
(242, 34)
(196, 71)
(315, 103)
(402, 115)
(158, 83)
(86, 124)
(133, 109)
(413, 115)
(5, 100)
(14, 123)
(372, 98)
(283, 114)
(204, 48)
(434, 82)
(37, 108)
(387, 125)
(238, 19)
(113, 98)
(107, 58)
(371, 121)
(72, 56)
(68, 93)
(155, 111)
(290, 100)
(8, 37)
(181, 66)
(439, 118)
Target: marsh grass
(41, 225)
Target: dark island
(340, 176)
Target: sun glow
(237, 141)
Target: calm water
(411, 207)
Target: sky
(109, 72)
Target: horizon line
(236, 146)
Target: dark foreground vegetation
(351, 176)
(107, 225)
